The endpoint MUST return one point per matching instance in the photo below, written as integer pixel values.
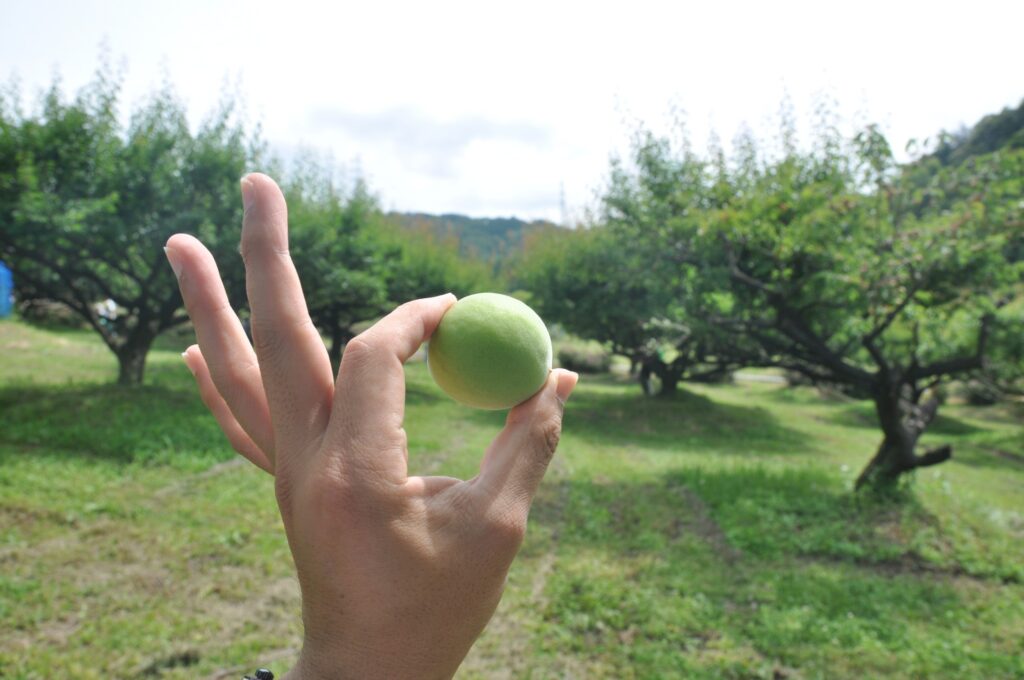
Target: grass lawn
(712, 536)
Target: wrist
(317, 663)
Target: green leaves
(803, 258)
(86, 205)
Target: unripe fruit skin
(490, 351)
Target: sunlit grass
(713, 535)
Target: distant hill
(491, 239)
(995, 131)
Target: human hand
(399, 574)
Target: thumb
(518, 457)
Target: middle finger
(293, 360)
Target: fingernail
(175, 261)
(184, 356)
(566, 384)
(248, 195)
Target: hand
(399, 574)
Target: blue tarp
(6, 291)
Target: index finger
(369, 398)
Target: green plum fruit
(490, 351)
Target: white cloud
(489, 109)
(428, 144)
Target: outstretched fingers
(226, 351)
(236, 434)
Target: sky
(514, 108)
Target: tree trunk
(131, 359)
(645, 378)
(669, 382)
(902, 423)
(888, 463)
(669, 376)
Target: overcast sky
(491, 108)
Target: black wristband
(261, 674)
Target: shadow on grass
(750, 515)
(745, 510)
(788, 558)
(108, 421)
(997, 453)
(686, 421)
(862, 415)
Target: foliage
(832, 262)
(48, 313)
(604, 285)
(584, 357)
(424, 265)
(495, 240)
(581, 280)
(343, 269)
(1003, 130)
(86, 205)
(354, 263)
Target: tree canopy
(833, 262)
(86, 204)
(354, 262)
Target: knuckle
(259, 242)
(461, 507)
(358, 351)
(267, 341)
(358, 346)
(327, 495)
(236, 377)
(507, 528)
(407, 306)
(273, 339)
(546, 435)
(344, 496)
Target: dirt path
(704, 525)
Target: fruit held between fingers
(490, 351)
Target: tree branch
(895, 312)
(809, 372)
(876, 354)
(76, 303)
(66, 273)
(934, 456)
(748, 280)
(959, 364)
(823, 355)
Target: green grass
(711, 536)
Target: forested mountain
(491, 239)
(995, 131)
